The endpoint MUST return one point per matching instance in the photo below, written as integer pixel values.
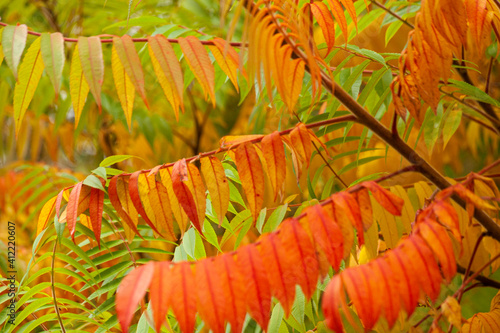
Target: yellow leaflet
(408, 213)
(217, 185)
(387, 223)
(124, 87)
(45, 214)
(179, 214)
(78, 87)
(30, 71)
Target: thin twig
(135, 40)
(393, 14)
(52, 285)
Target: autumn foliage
(198, 241)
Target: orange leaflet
(349, 5)
(130, 292)
(183, 193)
(252, 176)
(184, 306)
(211, 300)
(345, 225)
(45, 214)
(301, 256)
(350, 208)
(479, 22)
(95, 211)
(257, 289)
(324, 18)
(229, 52)
(448, 216)
(293, 76)
(199, 62)
(331, 305)
(327, 234)
(358, 288)
(160, 291)
(115, 183)
(274, 154)
(233, 290)
(338, 13)
(279, 270)
(391, 202)
(125, 48)
(230, 140)
(217, 185)
(160, 205)
(90, 52)
(301, 141)
(384, 290)
(133, 188)
(168, 70)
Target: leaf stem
(390, 12)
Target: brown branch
(487, 282)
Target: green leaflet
(52, 46)
(92, 64)
(13, 44)
(30, 72)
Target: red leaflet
(274, 154)
(421, 257)
(301, 256)
(73, 201)
(133, 187)
(130, 292)
(391, 202)
(442, 247)
(279, 270)
(58, 202)
(160, 291)
(184, 306)
(195, 184)
(252, 176)
(115, 201)
(326, 234)
(95, 209)
(233, 290)
(257, 290)
(211, 300)
(179, 179)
